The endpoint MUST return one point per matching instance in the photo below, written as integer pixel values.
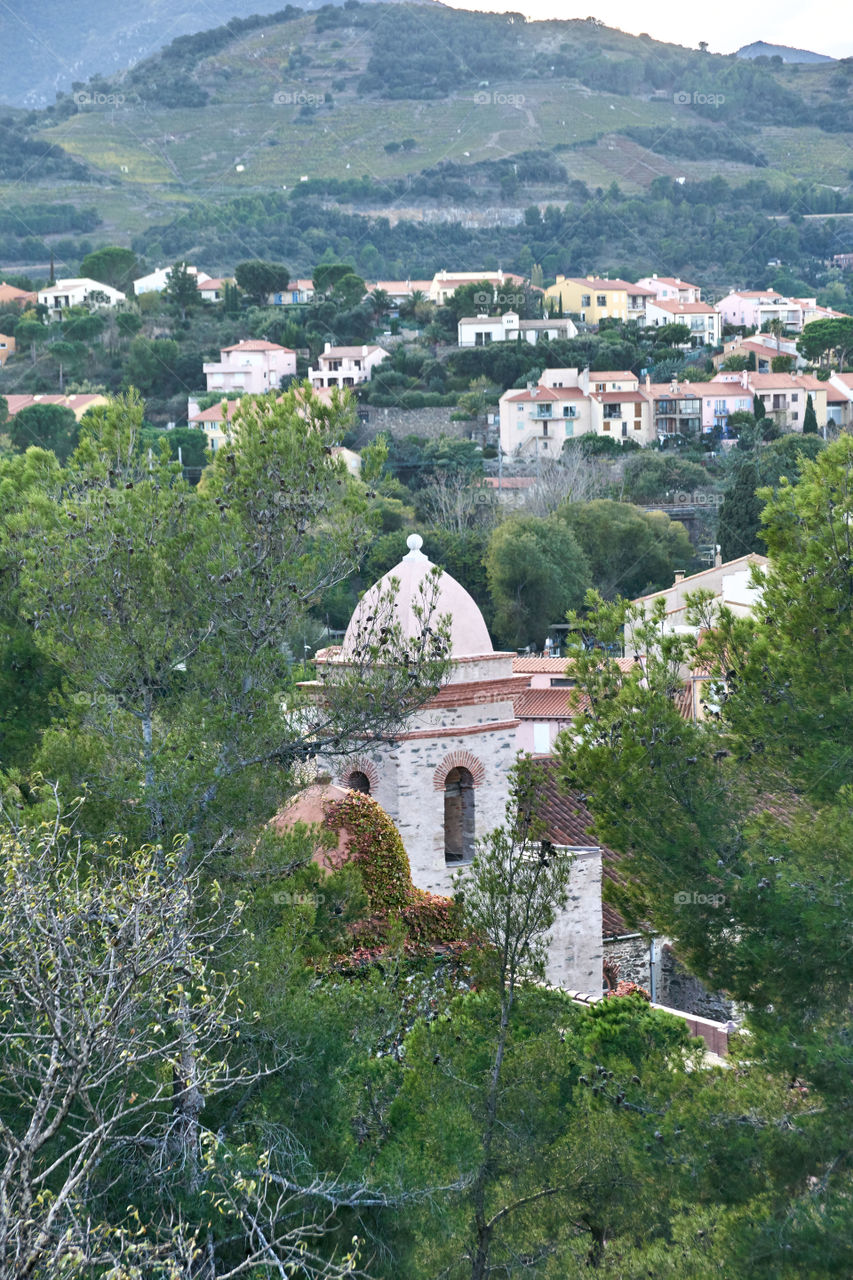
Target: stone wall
(574, 953)
(431, 423)
(673, 985)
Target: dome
(469, 635)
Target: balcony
(543, 411)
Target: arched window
(358, 781)
(459, 816)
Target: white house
(479, 331)
(704, 322)
(156, 280)
(254, 366)
(78, 292)
(345, 366)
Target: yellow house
(594, 299)
(7, 348)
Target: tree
(259, 279)
(151, 366)
(809, 417)
(536, 570)
(348, 291)
(104, 950)
(824, 338)
(47, 426)
(113, 266)
(182, 289)
(629, 552)
(739, 521)
(327, 275)
(672, 335)
(167, 607)
(740, 834)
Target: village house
(253, 366)
(297, 292)
(568, 403)
(7, 348)
(729, 583)
(703, 321)
(212, 288)
(839, 400)
(215, 421)
(400, 290)
(345, 366)
(445, 283)
(761, 350)
(671, 289)
(480, 330)
(594, 299)
(155, 281)
(758, 308)
(77, 402)
(10, 293)
(79, 292)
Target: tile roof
(612, 375)
(532, 664)
(256, 344)
(77, 401)
(569, 823)
(608, 285)
(674, 282)
(549, 704)
(691, 308)
(513, 482)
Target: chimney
(648, 382)
(718, 559)
(679, 577)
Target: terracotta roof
(683, 702)
(751, 557)
(671, 280)
(550, 704)
(335, 353)
(569, 823)
(786, 381)
(214, 282)
(257, 344)
(612, 375)
(214, 413)
(690, 308)
(533, 664)
(78, 402)
(9, 293)
(608, 285)
(627, 397)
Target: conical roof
(469, 635)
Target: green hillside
(427, 115)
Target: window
(601, 300)
(541, 739)
(586, 299)
(795, 395)
(459, 816)
(358, 781)
(569, 428)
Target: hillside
(429, 117)
(761, 49)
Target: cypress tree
(810, 417)
(739, 519)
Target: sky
(823, 26)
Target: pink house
(756, 308)
(254, 367)
(671, 289)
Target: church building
(444, 779)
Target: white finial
(414, 542)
